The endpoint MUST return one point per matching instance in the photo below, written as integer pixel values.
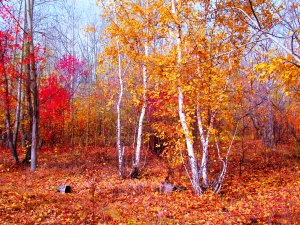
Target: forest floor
(264, 189)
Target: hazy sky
(86, 5)
(87, 9)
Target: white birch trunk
(187, 134)
(204, 142)
(189, 145)
(143, 110)
(119, 145)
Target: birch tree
(202, 82)
(196, 56)
(32, 83)
(139, 144)
(182, 116)
(119, 127)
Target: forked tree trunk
(217, 184)
(189, 144)
(204, 142)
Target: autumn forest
(149, 112)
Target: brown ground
(266, 192)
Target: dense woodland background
(153, 111)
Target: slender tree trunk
(141, 119)
(7, 104)
(119, 145)
(26, 131)
(256, 125)
(204, 142)
(270, 124)
(135, 170)
(189, 143)
(219, 181)
(17, 114)
(18, 109)
(22, 127)
(8, 122)
(19, 94)
(33, 86)
(88, 119)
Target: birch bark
(144, 107)
(189, 142)
(204, 142)
(119, 127)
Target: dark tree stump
(134, 173)
(64, 189)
